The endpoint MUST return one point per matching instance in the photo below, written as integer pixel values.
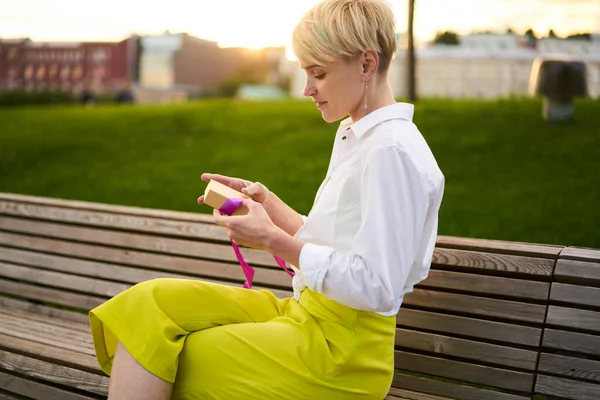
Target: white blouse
(372, 228)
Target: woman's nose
(309, 90)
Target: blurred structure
(28, 65)
(184, 66)
(558, 80)
(158, 68)
(260, 92)
(482, 66)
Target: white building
(484, 66)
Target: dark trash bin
(559, 80)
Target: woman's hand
(254, 229)
(255, 190)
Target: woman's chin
(330, 117)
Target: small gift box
(224, 198)
(229, 201)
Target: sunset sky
(258, 23)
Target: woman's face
(337, 88)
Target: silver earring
(365, 96)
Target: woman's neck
(378, 95)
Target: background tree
(448, 38)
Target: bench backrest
(570, 360)
(476, 322)
(472, 330)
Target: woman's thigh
(270, 360)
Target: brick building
(71, 66)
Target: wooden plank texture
(139, 241)
(476, 305)
(471, 327)
(162, 226)
(38, 309)
(54, 296)
(11, 396)
(572, 341)
(575, 294)
(466, 349)
(57, 355)
(577, 368)
(566, 388)
(574, 318)
(48, 334)
(462, 371)
(146, 260)
(499, 263)
(82, 326)
(500, 246)
(62, 281)
(36, 390)
(454, 391)
(487, 285)
(584, 254)
(396, 393)
(49, 372)
(578, 271)
(112, 208)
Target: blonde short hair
(346, 28)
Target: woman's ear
(370, 63)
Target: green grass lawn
(509, 174)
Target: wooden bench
(570, 360)
(472, 330)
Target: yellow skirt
(221, 342)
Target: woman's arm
(283, 215)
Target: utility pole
(411, 90)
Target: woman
(367, 241)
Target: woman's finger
(220, 219)
(234, 183)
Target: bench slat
(208, 269)
(467, 349)
(9, 396)
(576, 253)
(40, 337)
(572, 341)
(462, 371)
(572, 367)
(493, 262)
(186, 247)
(573, 318)
(499, 246)
(54, 333)
(113, 208)
(439, 388)
(488, 285)
(54, 296)
(38, 309)
(162, 226)
(572, 270)
(485, 245)
(396, 393)
(570, 389)
(50, 372)
(58, 355)
(476, 328)
(36, 390)
(575, 294)
(476, 305)
(60, 280)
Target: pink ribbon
(228, 208)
